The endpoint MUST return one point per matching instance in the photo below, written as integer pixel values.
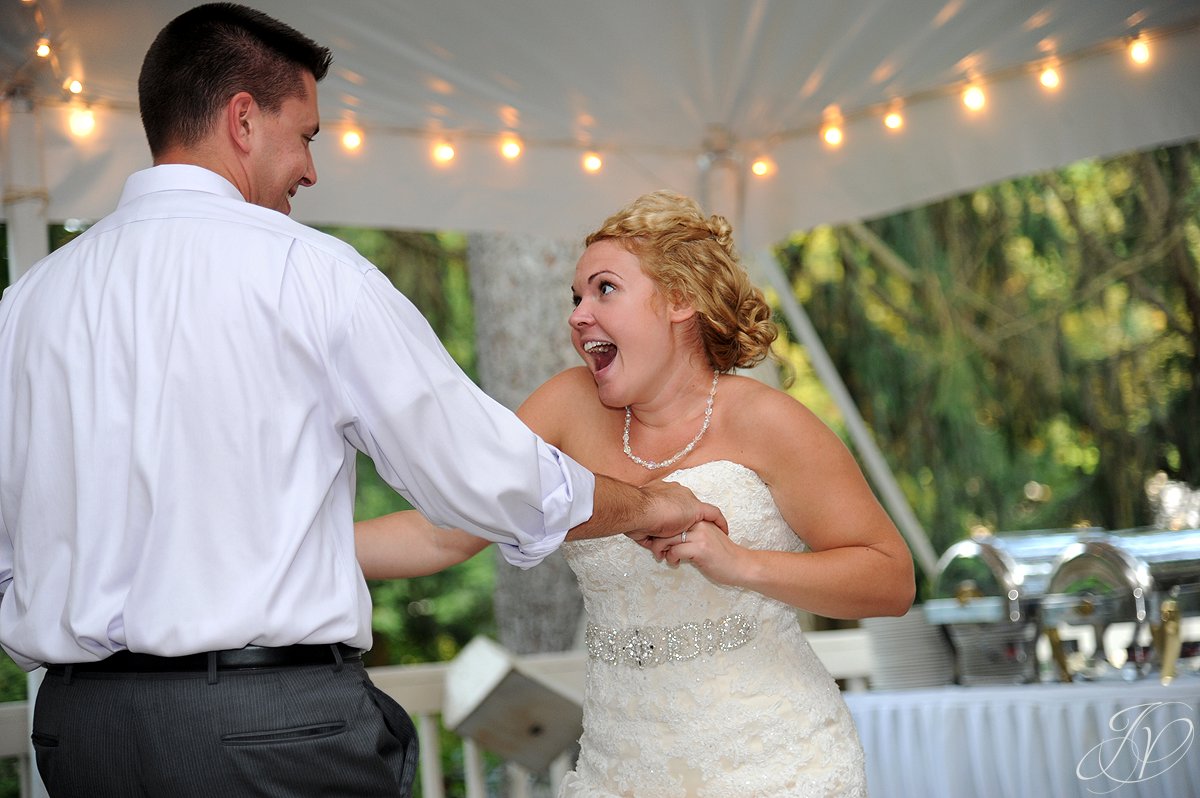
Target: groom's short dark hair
(210, 53)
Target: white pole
(473, 769)
(430, 752)
(25, 196)
(36, 788)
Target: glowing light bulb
(832, 134)
(592, 162)
(443, 152)
(763, 167)
(73, 86)
(82, 122)
(974, 98)
(510, 147)
(43, 48)
(1049, 78)
(894, 120)
(352, 140)
(1139, 51)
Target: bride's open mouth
(602, 354)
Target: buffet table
(1128, 740)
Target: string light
(443, 152)
(763, 166)
(831, 127)
(831, 134)
(81, 122)
(352, 140)
(510, 147)
(974, 98)
(1139, 51)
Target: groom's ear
(239, 118)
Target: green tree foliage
(431, 270)
(1026, 354)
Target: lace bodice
(674, 706)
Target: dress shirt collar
(176, 177)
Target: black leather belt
(232, 659)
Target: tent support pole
(881, 474)
(722, 190)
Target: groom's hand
(673, 508)
(657, 510)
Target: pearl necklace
(651, 464)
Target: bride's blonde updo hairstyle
(690, 255)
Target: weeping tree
(1027, 353)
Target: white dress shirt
(184, 388)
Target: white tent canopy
(658, 88)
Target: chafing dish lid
(1125, 560)
(1114, 577)
(1171, 556)
(988, 578)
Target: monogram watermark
(1150, 739)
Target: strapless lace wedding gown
(698, 689)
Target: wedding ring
(683, 536)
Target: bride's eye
(575, 299)
(607, 287)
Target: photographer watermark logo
(1150, 740)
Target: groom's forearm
(617, 507)
(660, 509)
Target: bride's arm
(857, 564)
(404, 544)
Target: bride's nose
(580, 317)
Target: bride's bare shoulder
(565, 396)
(573, 385)
(770, 422)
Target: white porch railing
(420, 689)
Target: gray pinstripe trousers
(318, 730)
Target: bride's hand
(708, 548)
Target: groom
(186, 386)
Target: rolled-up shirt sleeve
(459, 456)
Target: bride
(699, 679)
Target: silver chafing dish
(1146, 578)
(987, 594)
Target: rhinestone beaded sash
(647, 646)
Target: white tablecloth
(1026, 741)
